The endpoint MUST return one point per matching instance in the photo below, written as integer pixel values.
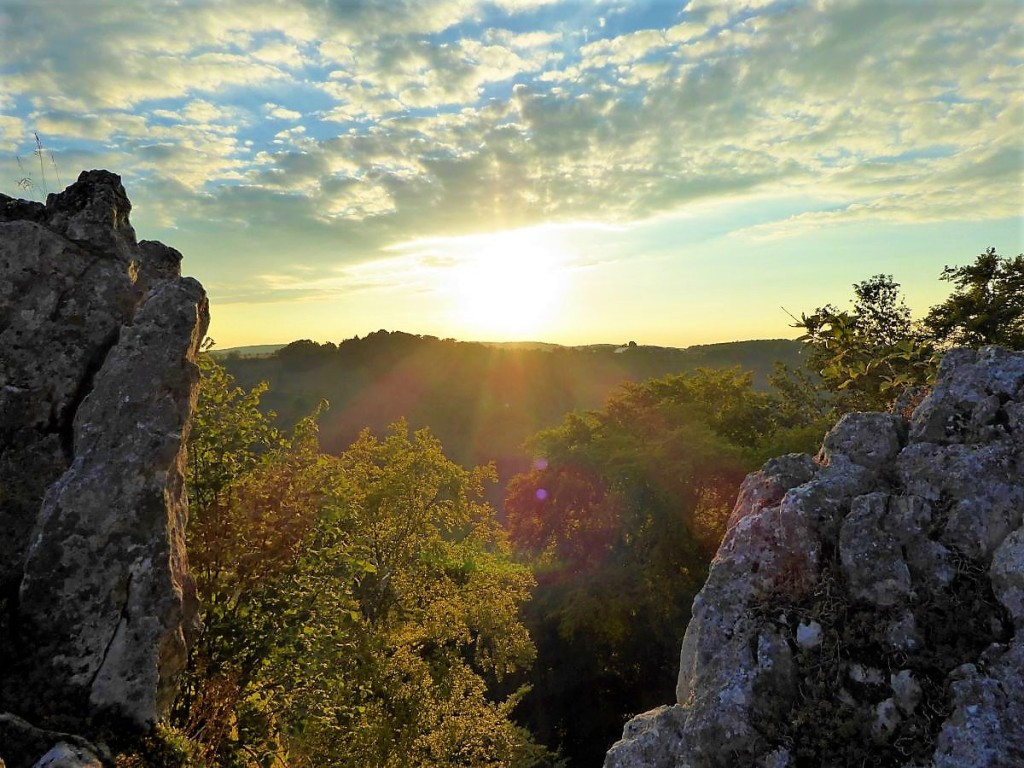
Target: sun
(508, 284)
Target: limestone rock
(856, 598)
(1007, 574)
(767, 487)
(887, 719)
(93, 212)
(871, 440)
(871, 556)
(985, 729)
(808, 635)
(777, 758)
(906, 690)
(98, 338)
(23, 744)
(968, 404)
(64, 755)
(651, 740)
(979, 485)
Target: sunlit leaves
(432, 614)
(986, 306)
(871, 354)
(229, 434)
(665, 445)
(357, 608)
(621, 513)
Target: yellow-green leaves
(358, 608)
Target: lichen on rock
(864, 608)
(98, 340)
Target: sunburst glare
(508, 283)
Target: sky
(672, 173)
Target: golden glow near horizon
(501, 286)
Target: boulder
(98, 340)
(863, 607)
(25, 745)
(1007, 574)
(65, 755)
(985, 729)
(651, 740)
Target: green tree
(803, 411)
(430, 622)
(359, 610)
(254, 498)
(881, 312)
(986, 306)
(230, 435)
(869, 355)
(621, 514)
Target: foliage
(871, 354)
(25, 181)
(164, 748)
(803, 411)
(621, 514)
(673, 442)
(986, 306)
(253, 500)
(230, 434)
(430, 618)
(481, 400)
(359, 610)
(868, 356)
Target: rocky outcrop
(866, 606)
(98, 338)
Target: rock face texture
(866, 607)
(98, 338)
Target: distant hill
(518, 344)
(257, 350)
(481, 400)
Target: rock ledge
(98, 339)
(866, 606)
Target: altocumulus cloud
(372, 122)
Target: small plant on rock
(29, 184)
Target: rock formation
(98, 338)
(866, 607)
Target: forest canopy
(371, 607)
(358, 609)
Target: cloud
(367, 122)
(12, 132)
(281, 113)
(280, 54)
(519, 6)
(352, 20)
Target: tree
(869, 355)
(432, 624)
(986, 306)
(360, 610)
(881, 311)
(620, 515)
(254, 497)
(229, 435)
